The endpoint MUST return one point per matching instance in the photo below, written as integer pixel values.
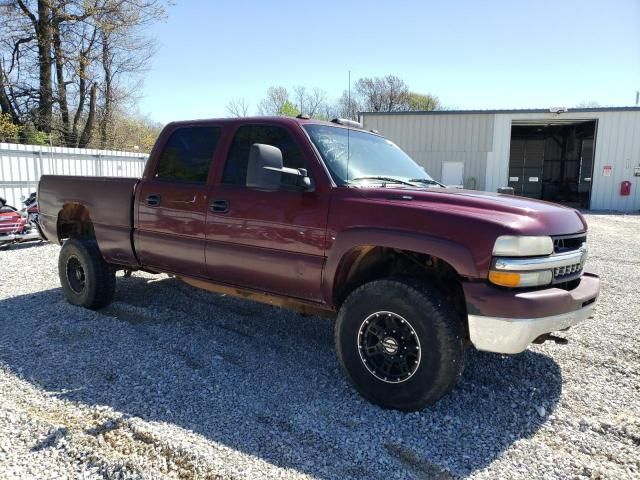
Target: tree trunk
(105, 122)
(82, 96)
(5, 102)
(43, 31)
(85, 138)
(62, 86)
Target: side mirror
(265, 170)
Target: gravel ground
(173, 382)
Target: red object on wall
(625, 188)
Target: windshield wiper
(427, 181)
(384, 180)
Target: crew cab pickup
(325, 217)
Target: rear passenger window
(235, 170)
(188, 153)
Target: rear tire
(399, 343)
(87, 280)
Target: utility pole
(637, 97)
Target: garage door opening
(553, 161)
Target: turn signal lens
(505, 279)
(524, 279)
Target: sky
(470, 54)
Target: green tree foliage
(130, 132)
(32, 136)
(420, 102)
(288, 109)
(8, 130)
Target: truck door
(269, 241)
(171, 202)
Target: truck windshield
(365, 156)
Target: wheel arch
(362, 255)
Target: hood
(518, 215)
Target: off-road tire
(99, 279)
(435, 323)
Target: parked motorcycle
(17, 226)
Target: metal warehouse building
(585, 158)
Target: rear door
(171, 202)
(269, 241)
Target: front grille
(566, 270)
(567, 244)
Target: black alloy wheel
(389, 347)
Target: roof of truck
(257, 119)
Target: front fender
(456, 255)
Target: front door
(269, 241)
(172, 203)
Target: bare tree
(316, 101)
(300, 98)
(311, 102)
(64, 64)
(125, 52)
(238, 107)
(275, 102)
(347, 106)
(382, 94)
(26, 22)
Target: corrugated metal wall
(22, 165)
(433, 139)
(617, 144)
(482, 141)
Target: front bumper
(505, 321)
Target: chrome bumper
(513, 335)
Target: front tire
(87, 280)
(399, 343)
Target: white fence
(22, 165)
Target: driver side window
(235, 169)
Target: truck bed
(110, 201)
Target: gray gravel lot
(170, 381)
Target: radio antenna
(348, 128)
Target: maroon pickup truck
(325, 217)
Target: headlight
(510, 272)
(514, 246)
(521, 279)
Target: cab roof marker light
(347, 123)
